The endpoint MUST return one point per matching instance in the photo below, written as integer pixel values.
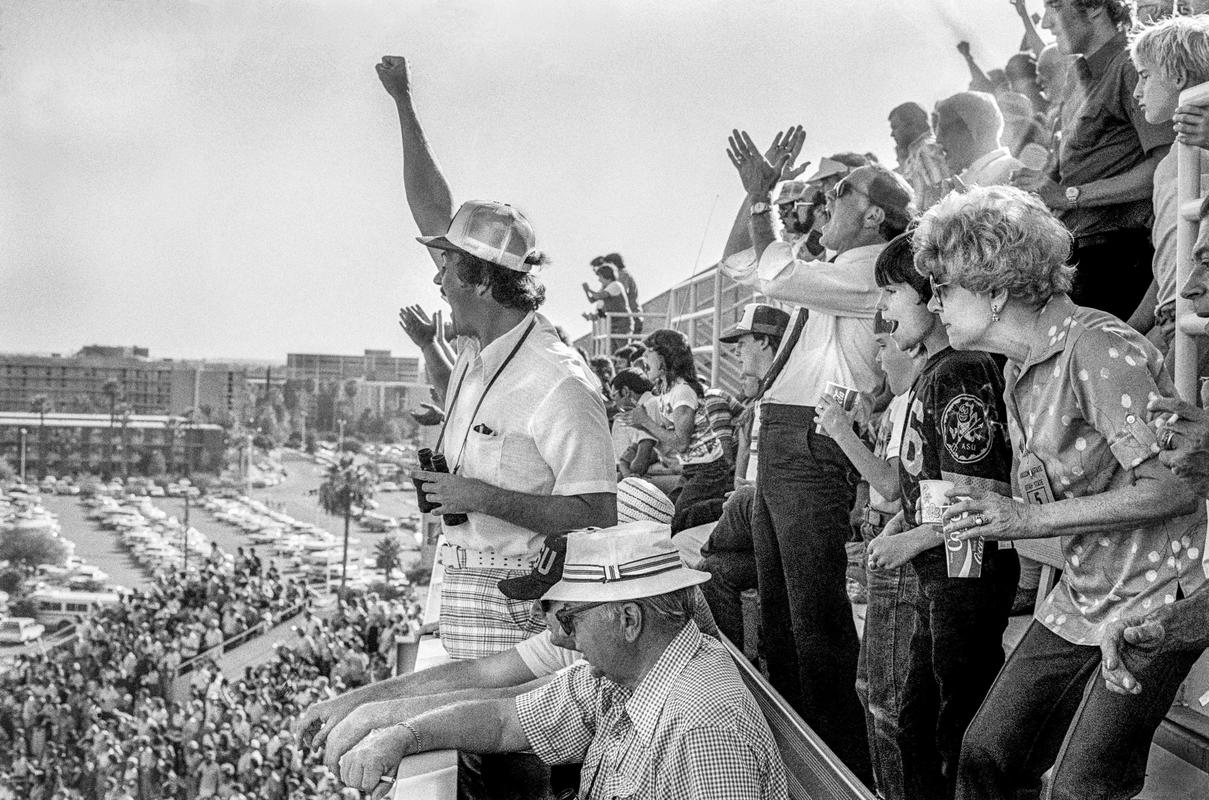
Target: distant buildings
(383, 384)
(134, 444)
(97, 379)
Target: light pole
(185, 565)
(24, 432)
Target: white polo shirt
(837, 343)
(541, 430)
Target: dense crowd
(107, 718)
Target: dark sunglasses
(842, 188)
(567, 614)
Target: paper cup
(933, 501)
(843, 395)
(963, 557)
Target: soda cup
(933, 500)
(844, 396)
(963, 557)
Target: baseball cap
(757, 318)
(791, 191)
(829, 168)
(494, 232)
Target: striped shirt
(689, 729)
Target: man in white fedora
(658, 710)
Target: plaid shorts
(477, 619)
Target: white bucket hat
(639, 500)
(625, 562)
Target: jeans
(700, 482)
(1113, 271)
(956, 653)
(882, 668)
(805, 488)
(1049, 706)
(731, 562)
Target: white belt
(454, 556)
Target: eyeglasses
(937, 288)
(842, 188)
(567, 614)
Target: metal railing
(227, 645)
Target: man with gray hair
(658, 710)
(969, 126)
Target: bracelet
(414, 734)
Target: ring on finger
(1166, 439)
(980, 520)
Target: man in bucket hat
(658, 711)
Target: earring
(994, 312)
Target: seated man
(633, 447)
(655, 692)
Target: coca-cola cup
(844, 396)
(963, 557)
(933, 500)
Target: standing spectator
(627, 280)
(610, 299)
(1021, 72)
(1077, 383)
(1101, 188)
(893, 592)
(805, 486)
(1170, 56)
(969, 127)
(955, 431)
(920, 159)
(529, 454)
(683, 426)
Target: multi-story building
(97, 378)
(385, 385)
(132, 444)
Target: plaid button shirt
(689, 729)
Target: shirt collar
(1050, 333)
(982, 161)
(920, 142)
(1097, 63)
(645, 706)
(494, 354)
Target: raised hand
(785, 149)
(964, 48)
(418, 326)
(392, 71)
(759, 177)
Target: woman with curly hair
(1077, 383)
(683, 426)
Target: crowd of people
(137, 708)
(966, 351)
(995, 314)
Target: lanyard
(453, 403)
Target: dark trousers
(1049, 706)
(956, 653)
(700, 482)
(882, 669)
(805, 488)
(1114, 271)
(731, 562)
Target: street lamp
(24, 432)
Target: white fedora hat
(626, 562)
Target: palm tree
(40, 404)
(387, 551)
(345, 486)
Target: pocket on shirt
(484, 456)
(524, 469)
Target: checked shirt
(690, 729)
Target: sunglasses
(567, 614)
(844, 187)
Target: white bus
(55, 605)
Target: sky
(223, 179)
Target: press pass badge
(1033, 482)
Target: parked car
(19, 630)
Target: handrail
(227, 645)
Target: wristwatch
(1072, 196)
(760, 208)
